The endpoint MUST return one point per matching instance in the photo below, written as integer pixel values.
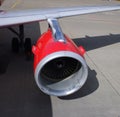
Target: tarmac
(99, 34)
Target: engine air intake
(61, 73)
(60, 68)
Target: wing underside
(8, 18)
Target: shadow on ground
(4, 62)
(19, 95)
(6, 37)
(91, 43)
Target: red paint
(46, 45)
(82, 50)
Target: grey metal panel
(25, 16)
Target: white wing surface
(8, 18)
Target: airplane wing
(8, 18)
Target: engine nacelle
(59, 67)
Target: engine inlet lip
(57, 55)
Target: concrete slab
(99, 97)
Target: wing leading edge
(8, 18)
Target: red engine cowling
(59, 67)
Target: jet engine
(59, 65)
